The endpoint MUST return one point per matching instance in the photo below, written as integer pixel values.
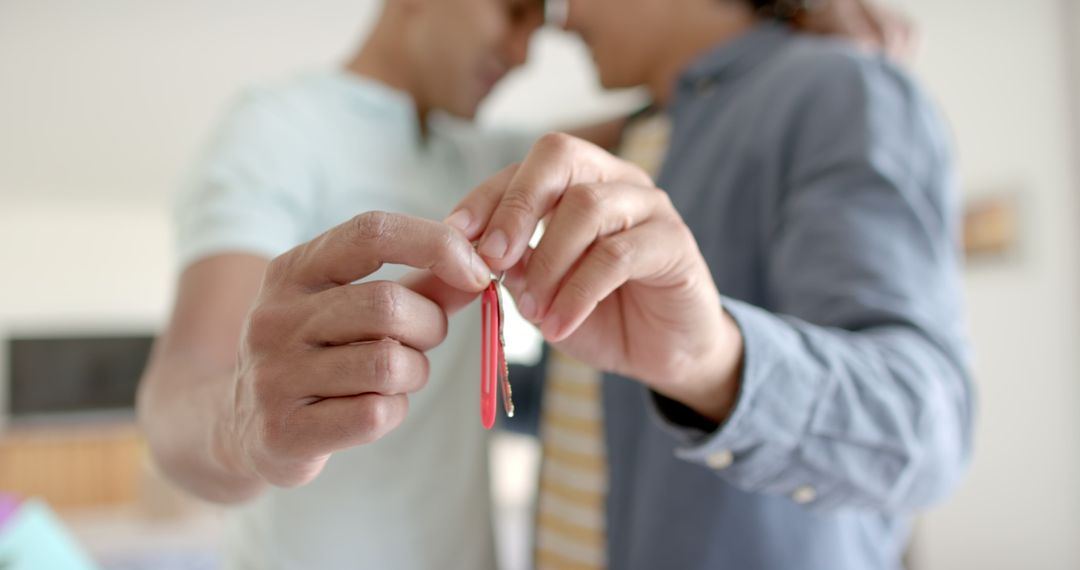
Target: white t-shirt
(288, 162)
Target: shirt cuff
(759, 440)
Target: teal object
(33, 539)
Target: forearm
(181, 411)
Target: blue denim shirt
(819, 185)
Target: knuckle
(367, 416)
(278, 267)
(555, 142)
(664, 200)
(679, 228)
(387, 364)
(451, 244)
(378, 415)
(578, 291)
(517, 204)
(370, 226)
(615, 252)
(265, 325)
(586, 199)
(541, 266)
(386, 299)
(423, 371)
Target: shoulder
(832, 85)
(816, 71)
(310, 101)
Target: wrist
(228, 455)
(713, 388)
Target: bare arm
(188, 383)
(270, 367)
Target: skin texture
(267, 367)
(617, 280)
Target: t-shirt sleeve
(495, 149)
(251, 189)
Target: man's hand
(617, 279)
(868, 22)
(325, 364)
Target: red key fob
(494, 373)
(490, 354)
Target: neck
(384, 58)
(698, 33)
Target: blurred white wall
(1001, 71)
(103, 103)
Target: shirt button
(720, 459)
(804, 495)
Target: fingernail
(494, 246)
(459, 220)
(551, 327)
(527, 306)
(480, 270)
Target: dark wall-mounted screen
(71, 375)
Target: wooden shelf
(73, 466)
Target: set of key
(494, 372)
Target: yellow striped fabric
(573, 476)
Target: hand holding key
(326, 363)
(617, 280)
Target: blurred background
(103, 104)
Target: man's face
(462, 48)
(626, 37)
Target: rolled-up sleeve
(249, 191)
(855, 389)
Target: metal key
(504, 381)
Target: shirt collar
(391, 102)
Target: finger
(514, 279)
(450, 299)
(555, 163)
(649, 253)
(335, 424)
(476, 208)
(380, 367)
(585, 213)
(357, 248)
(373, 311)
